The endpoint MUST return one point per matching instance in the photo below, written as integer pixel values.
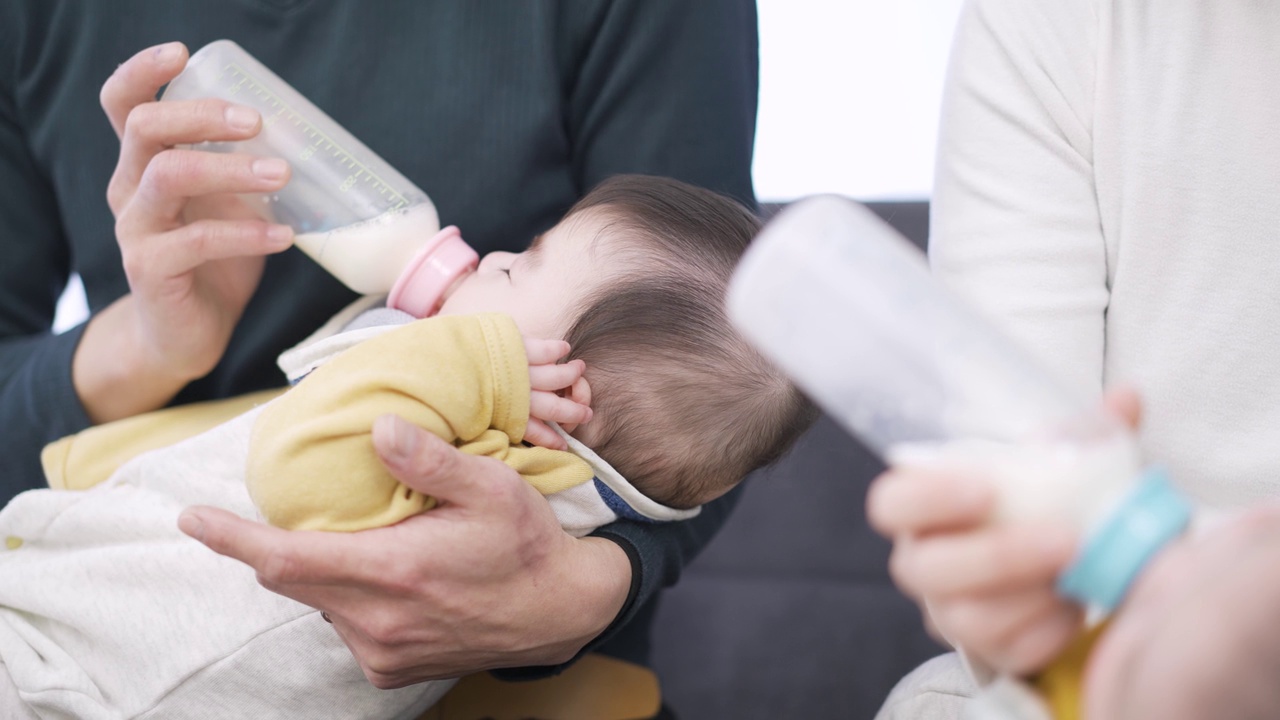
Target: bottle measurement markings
(239, 79)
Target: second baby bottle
(850, 310)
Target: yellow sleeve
(82, 460)
(312, 465)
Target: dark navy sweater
(503, 112)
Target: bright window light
(849, 96)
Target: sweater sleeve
(1015, 216)
(37, 401)
(658, 552)
(1015, 223)
(312, 465)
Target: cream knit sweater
(1108, 189)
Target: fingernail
(281, 235)
(168, 52)
(400, 439)
(270, 168)
(191, 525)
(405, 440)
(240, 117)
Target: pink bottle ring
(421, 286)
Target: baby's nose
(499, 257)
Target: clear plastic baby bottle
(353, 213)
(849, 309)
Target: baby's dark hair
(683, 407)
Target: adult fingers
(543, 352)
(555, 377)
(154, 127)
(552, 407)
(922, 501)
(1125, 404)
(994, 559)
(1042, 640)
(138, 80)
(176, 175)
(1008, 629)
(286, 561)
(433, 467)
(187, 247)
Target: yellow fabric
(312, 465)
(594, 688)
(1061, 683)
(80, 461)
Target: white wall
(849, 96)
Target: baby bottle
(352, 213)
(849, 309)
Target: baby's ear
(580, 391)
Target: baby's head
(634, 278)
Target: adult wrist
(609, 598)
(633, 586)
(612, 572)
(112, 373)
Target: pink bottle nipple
(421, 287)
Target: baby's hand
(560, 393)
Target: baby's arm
(311, 462)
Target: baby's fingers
(539, 433)
(551, 378)
(544, 352)
(552, 408)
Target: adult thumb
(425, 462)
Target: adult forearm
(603, 573)
(112, 374)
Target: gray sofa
(790, 612)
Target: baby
(107, 610)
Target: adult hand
(486, 579)
(985, 588)
(1197, 637)
(192, 251)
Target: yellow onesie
(312, 464)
